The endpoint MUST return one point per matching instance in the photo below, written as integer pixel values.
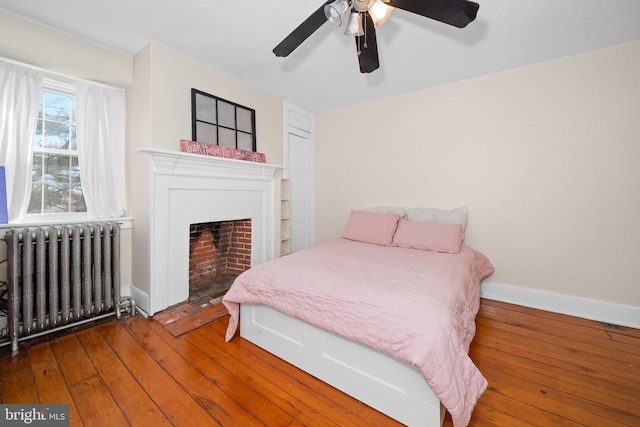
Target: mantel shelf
(179, 163)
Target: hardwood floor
(543, 369)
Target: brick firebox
(217, 248)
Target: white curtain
(100, 141)
(19, 99)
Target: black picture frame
(218, 121)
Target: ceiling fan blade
(302, 32)
(453, 12)
(367, 46)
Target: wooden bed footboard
(393, 387)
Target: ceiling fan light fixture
(360, 23)
(362, 5)
(354, 24)
(380, 12)
(335, 11)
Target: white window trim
(60, 85)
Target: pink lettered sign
(195, 147)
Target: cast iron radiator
(60, 276)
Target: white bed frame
(393, 387)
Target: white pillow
(395, 210)
(457, 216)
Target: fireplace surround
(187, 189)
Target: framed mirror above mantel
(221, 122)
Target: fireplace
(190, 189)
(219, 248)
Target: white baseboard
(601, 311)
(141, 299)
(125, 291)
(130, 291)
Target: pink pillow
(371, 227)
(428, 236)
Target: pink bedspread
(418, 306)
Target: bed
(375, 314)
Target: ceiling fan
(367, 15)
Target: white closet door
(299, 164)
(300, 175)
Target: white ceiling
(237, 37)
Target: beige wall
(159, 115)
(545, 157)
(32, 43)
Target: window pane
(46, 189)
(41, 105)
(206, 133)
(35, 204)
(244, 120)
(72, 124)
(37, 140)
(55, 131)
(77, 203)
(56, 185)
(226, 114)
(227, 137)
(245, 142)
(73, 143)
(205, 108)
(56, 135)
(57, 107)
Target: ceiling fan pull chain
(364, 24)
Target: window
(58, 128)
(56, 186)
(220, 122)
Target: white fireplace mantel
(179, 163)
(189, 189)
